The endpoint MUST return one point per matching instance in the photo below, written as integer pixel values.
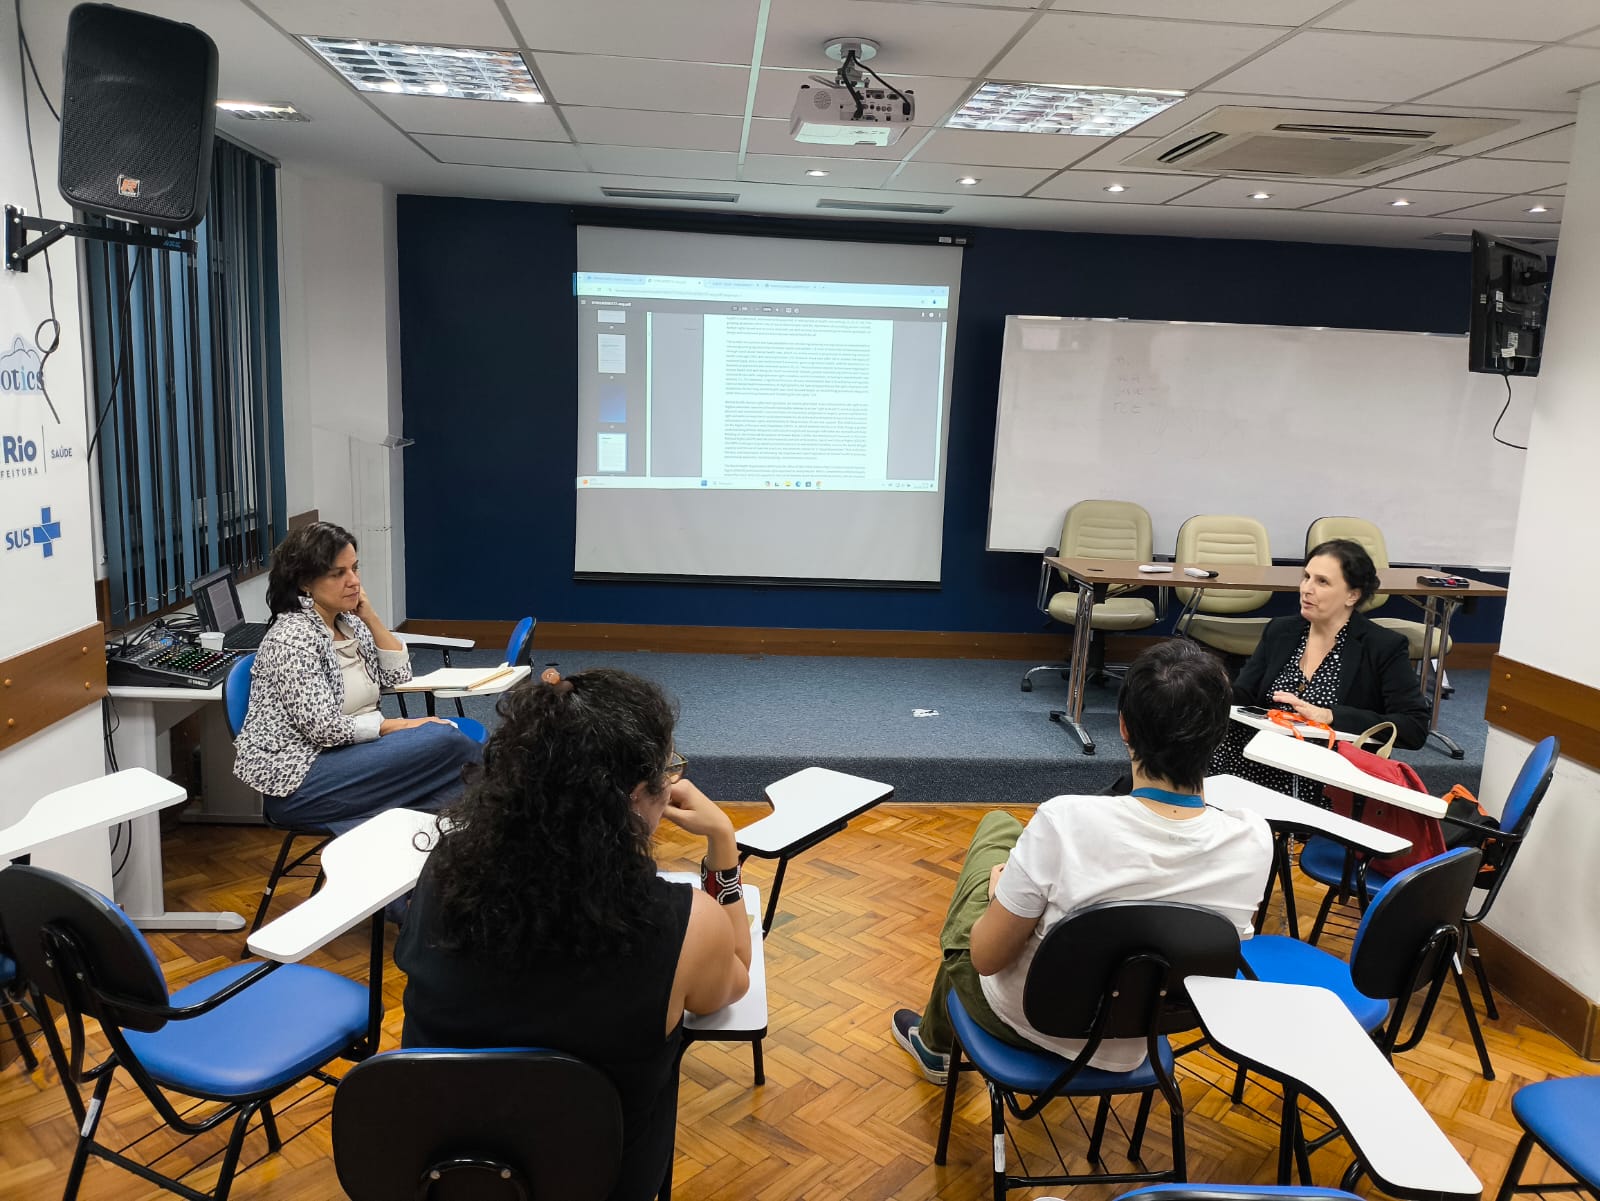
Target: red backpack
(1424, 833)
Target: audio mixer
(169, 663)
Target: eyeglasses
(676, 766)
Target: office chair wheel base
(1027, 685)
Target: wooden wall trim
(40, 687)
(1550, 1000)
(1533, 703)
(1044, 647)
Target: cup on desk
(211, 640)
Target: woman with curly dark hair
(314, 742)
(540, 921)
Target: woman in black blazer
(1331, 663)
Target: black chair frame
(1141, 994)
(284, 869)
(1509, 1187)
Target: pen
(490, 679)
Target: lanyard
(1185, 800)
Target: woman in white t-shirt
(1162, 842)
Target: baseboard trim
(1548, 999)
(1046, 647)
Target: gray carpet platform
(746, 720)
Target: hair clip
(550, 676)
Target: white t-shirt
(1081, 850)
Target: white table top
(366, 868)
(100, 803)
(1256, 721)
(379, 860)
(1328, 766)
(1307, 1036)
(809, 800)
(163, 692)
(1231, 792)
(436, 640)
(747, 1016)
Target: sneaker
(935, 1067)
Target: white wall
(1550, 905)
(341, 353)
(43, 598)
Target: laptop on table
(216, 600)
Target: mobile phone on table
(1253, 710)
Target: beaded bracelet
(722, 886)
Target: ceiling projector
(848, 109)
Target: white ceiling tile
(1524, 124)
(791, 169)
(1423, 204)
(915, 39)
(1250, 12)
(657, 85)
(502, 152)
(992, 181)
(1025, 4)
(478, 118)
(1552, 147)
(461, 23)
(1127, 52)
(1364, 66)
(770, 136)
(676, 164)
(639, 127)
(1140, 189)
(933, 96)
(1114, 153)
(1530, 20)
(705, 31)
(1514, 208)
(1561, 191)
(1544, 79)
(1234, 193)
(1200, 103)
(1500, 175)
(1054, 150)
(1592, 38)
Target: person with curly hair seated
(540, 920)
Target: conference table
(1094, 578)
(1306, 1039)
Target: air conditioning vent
(661, 194)
(876, 206)
(1305, 143)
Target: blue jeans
(419, 768)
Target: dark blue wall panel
(488, 348)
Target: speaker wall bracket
(19, 250)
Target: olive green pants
(991, 844)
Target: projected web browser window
(699, 382)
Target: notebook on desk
(216, 600)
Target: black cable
(1495, 433)
(124, 336)
(126, 854)
(24, 58)
(849, 84)
(28, 50)
(108, 712)
(905, 102)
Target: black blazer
(1376, 682)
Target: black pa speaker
(137, 115)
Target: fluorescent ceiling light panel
(459, 73)
(1047, 108)
(262, 110)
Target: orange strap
(1297, 725)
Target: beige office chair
(1100, 529)
(1359, 529)
(1218, 540)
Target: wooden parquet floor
(843, 1114)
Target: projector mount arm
(19, 250)
(852, 55)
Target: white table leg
(139, 885)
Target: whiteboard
(1281, 423)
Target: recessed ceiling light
(1115, 187)
(262, 110)
(816, 173)
(1400, 203)
(968, 181)
(1046, 108)
(460, 73)
(1538, 208)
(1260, 195)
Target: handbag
(1424, 833)
(1376, 732)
